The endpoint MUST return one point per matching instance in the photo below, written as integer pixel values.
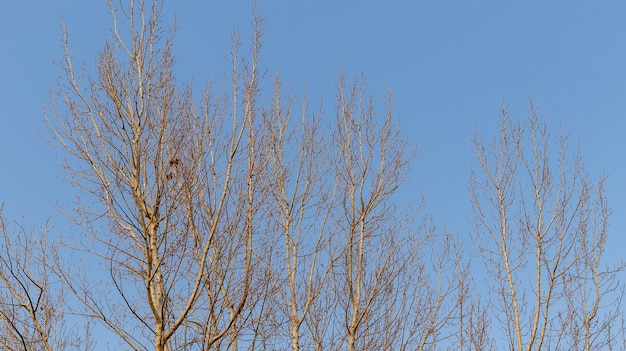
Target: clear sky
(451, 65)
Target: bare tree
(397, 280)
(175, 186)
(31, 305)
(541, 233)
(301, 201)
(474, 322)
(229, 190)
(370, 164)
(595, 293)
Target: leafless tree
(594, 295)
(397, 280)
(175, 185)
(370, 164)
(31, 305)
(541, 229)
(301, 201)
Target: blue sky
(450, 64)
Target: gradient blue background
(450, 64)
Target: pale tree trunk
(369, 162)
